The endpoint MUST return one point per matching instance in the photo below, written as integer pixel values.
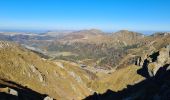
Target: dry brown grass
(15, 65)
(117, 80)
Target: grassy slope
(15, 65)
(117, 80)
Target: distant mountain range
(84, 64)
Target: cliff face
(155, 61)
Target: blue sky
(151, 15)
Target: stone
(163, 56)
(59, 64)
(168, 68)
(48, 98)
(13, 92)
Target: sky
(150, 15)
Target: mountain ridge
(74, 68)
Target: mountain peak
(95, 30)
(127, 32)
(90, 32)
(127, 37)
(124, 31)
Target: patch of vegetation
(111, 54)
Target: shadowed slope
(24, 93)
(154, 88)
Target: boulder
(13, 92)
(163, 56)
(9, 91)
(48, 98)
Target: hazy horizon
(145, 32)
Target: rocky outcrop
(156, 69)
(37, 73)
(153, 62)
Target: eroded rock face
(152, 63)
(37, 72)
(163, 55)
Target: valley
(72, 65)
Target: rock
(9, 91)
(168, 68)
(59, 64)
(33, 68)
(163, 56)
(37, 72)
(48, 98)
(13, 92)
(155, 61)
(40, 77)
(82, 66)
(138, 62)
(151, 70)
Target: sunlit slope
(60, 80)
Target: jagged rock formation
(155, 61)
